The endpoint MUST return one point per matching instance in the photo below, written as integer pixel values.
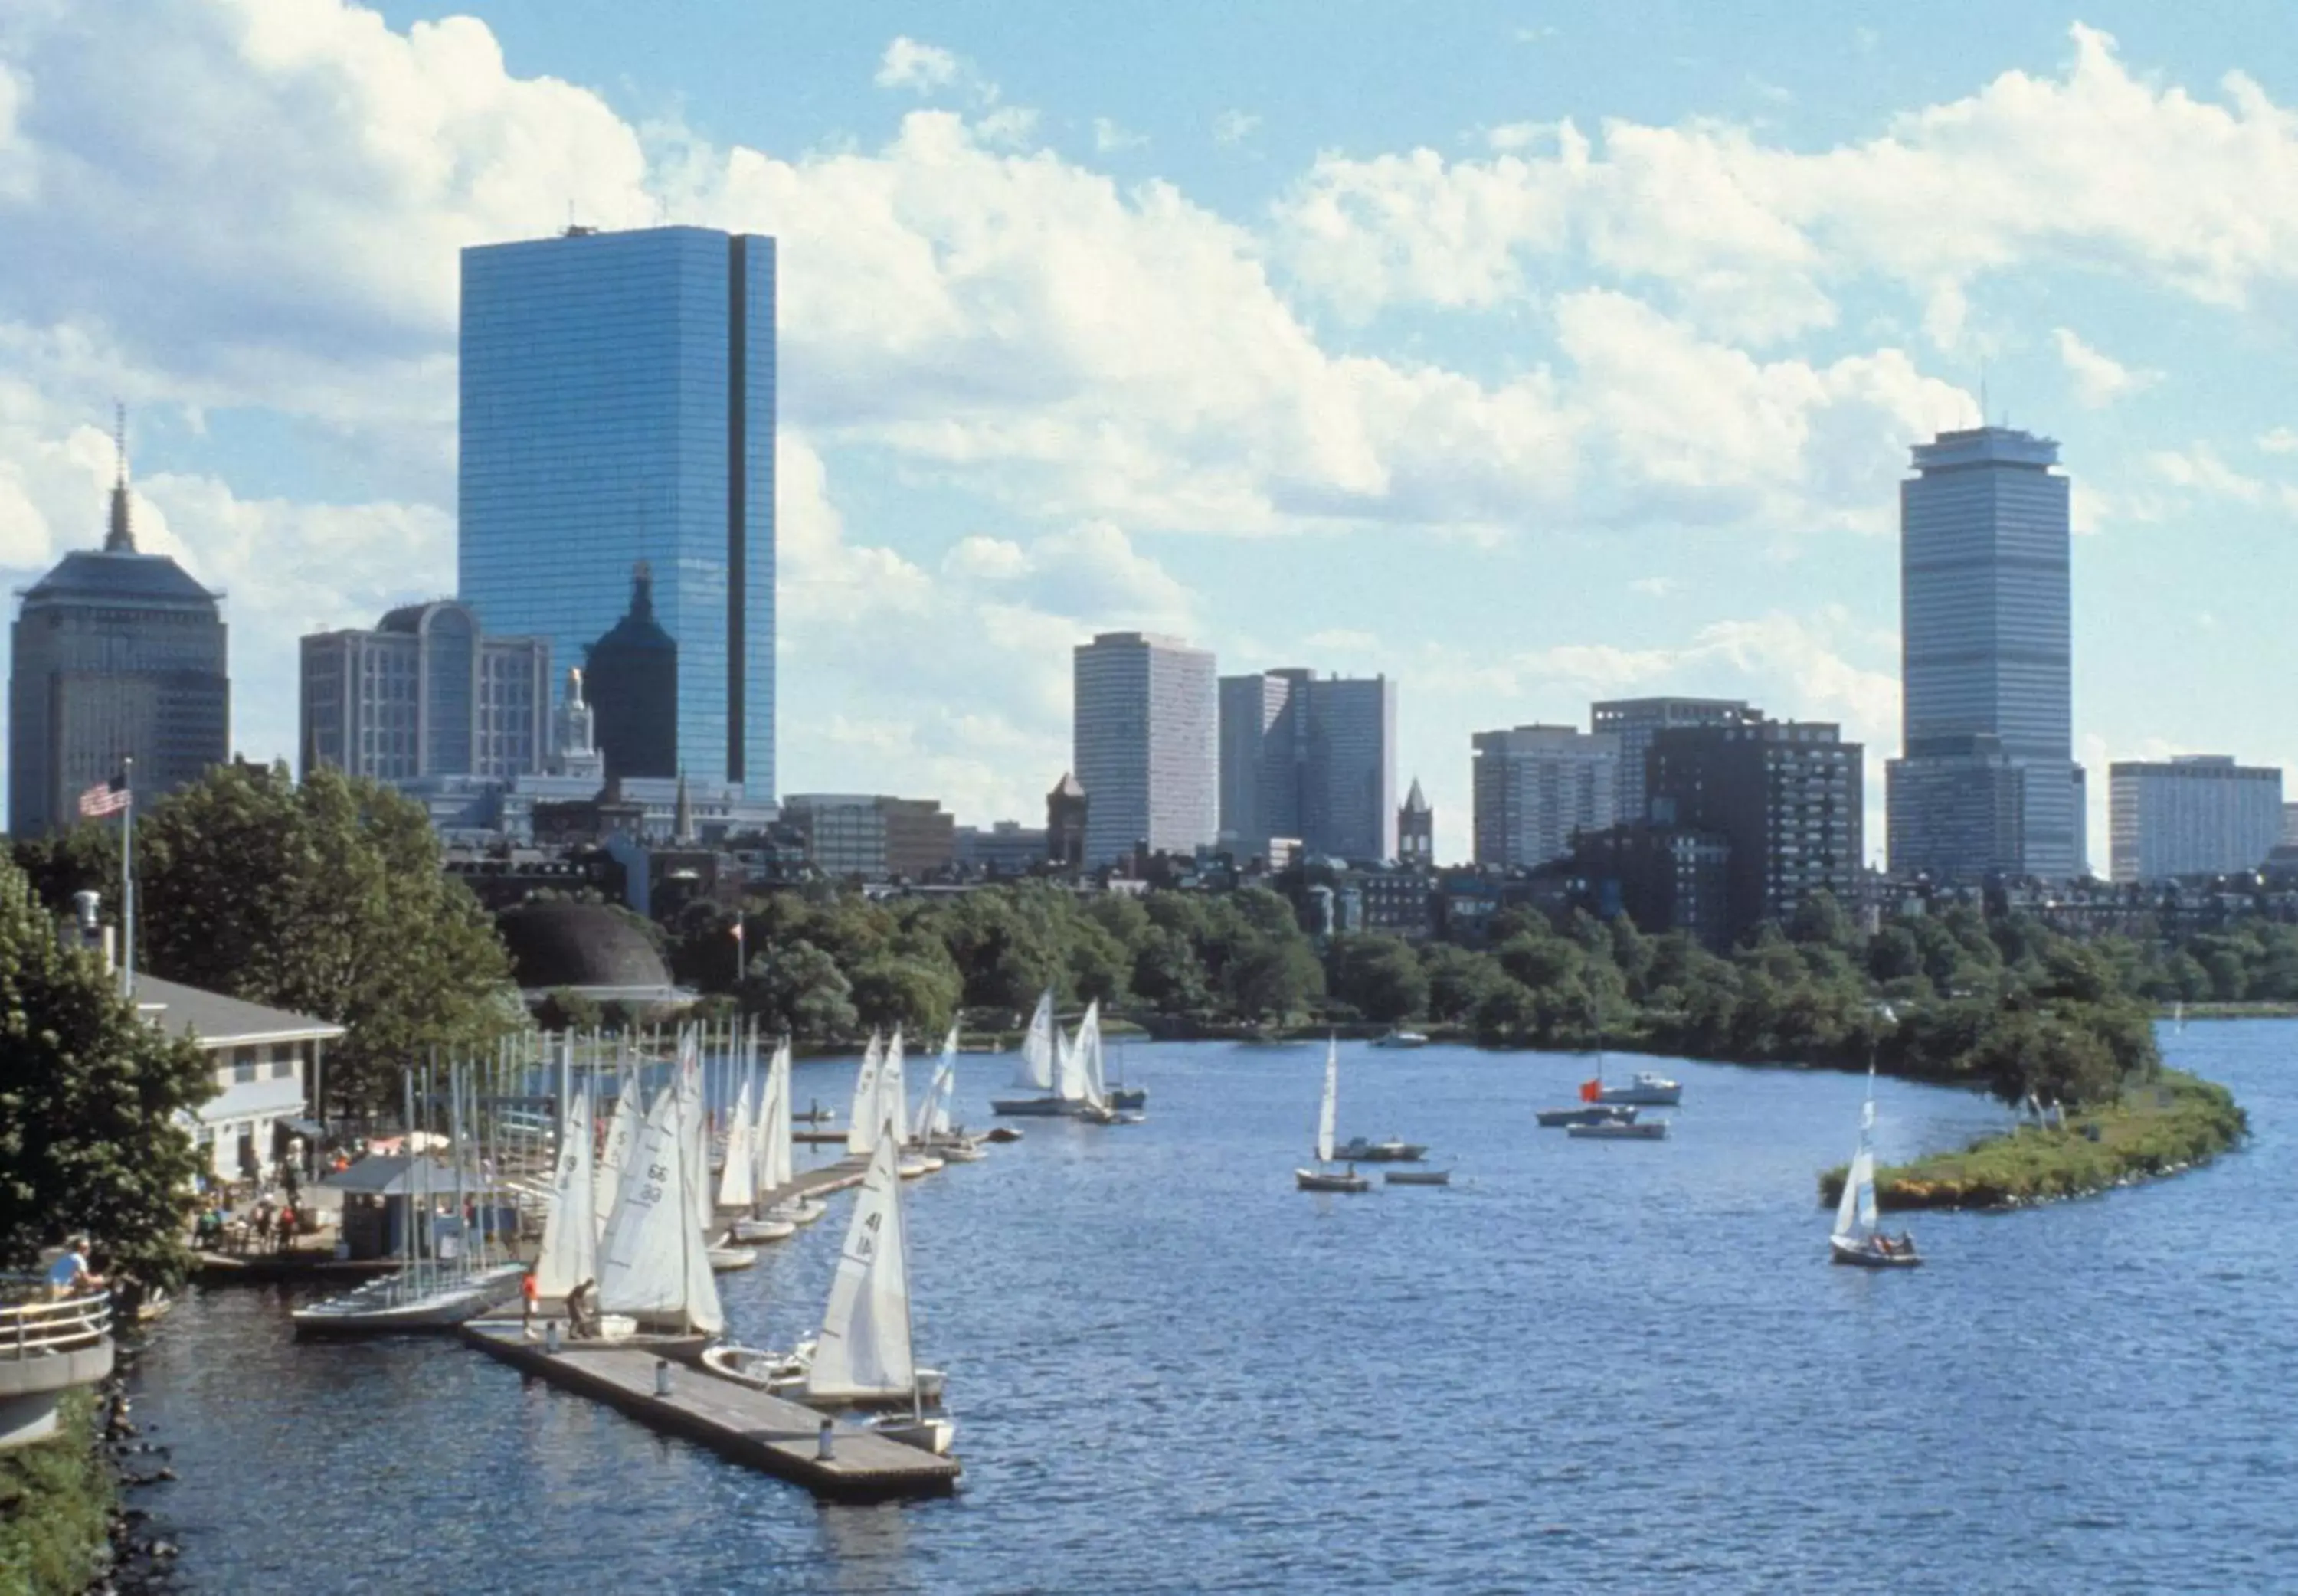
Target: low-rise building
(1006, 848)
(268, 1073)
(873, 838)
(2198, 814)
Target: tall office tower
(618, 409)
(115, 656)
(1535, 787)
(425, 694)
(1987, 779)
(1146, 745)
(2202, 814)
(1786, 796)
(1309, 759)
(1416, 829)
(1634, 721)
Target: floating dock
(738, 1422)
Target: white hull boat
(1596, 1114)
(725, 1260)
(391, 1306)
(1325, 1177)
(1330, 1180)
(1400, 1037)
(1619, 1130)
(1393, 1150)
(803, 1212)
(1857, 1239)
(749, 1232)
(784, 1374)
(1647, 1089)
(913, 1165)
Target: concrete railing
(44, 1329)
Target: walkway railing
(31, 1330)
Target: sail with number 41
(864, 1349)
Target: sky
(1524, 354)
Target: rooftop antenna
(1982, 391)
(120, 537)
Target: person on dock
(69, 1275)
(580, 1325)
(528, 1291)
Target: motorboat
(1647, 1088)
(1128, 1098)
(1395, 1150)
(1858, 1239)
(1621, 1131)
(1323, 1177)
(1416, 1177)
(1400, 1037)
(1001, 1134)
(1599, 1113)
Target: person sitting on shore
(69, 1275)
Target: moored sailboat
(1034, 1074)
(1323, 1178)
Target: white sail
(1037, 1071)
(777, 1167)
(642, 1257)
(570, 1232)
(1329, 1112)
(738, 1182)
(622, 1135)
(864, 1348)
(693, 1116)
(860, 1119)
(893, 1110)
(1091, 1088)
(933, 1108)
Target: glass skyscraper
(618, 412)
(1988, 780)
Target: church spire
(119, 538)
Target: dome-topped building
(599, 952)
(116, 655)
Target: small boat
(750, 1232)
(784, 1373)
(726, 1261)
(1323, 1178)
(1621, 1131)
(1036, 1073)
(1418, 1176)
(1651, 1090)
(1395, 1150)
(1001, 1135)
(928, 1432)
(1599, 1113)
(1857, 1239)
(1400, 1037)
(913, 1165)
(405, 1304)
(1128, 1098)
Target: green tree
(1381, 977)
(892, 989)
(1275, 979)
(327, 899)
(90, 1095)
(799, 989)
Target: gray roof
(396, 1175)
(223, 1021)
(101, 574)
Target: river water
(1584, 1365)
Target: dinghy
(1323, 1178)
(1418, 1176)
(1395, 1150)
(1077, 1073)
(654, 1265)
(1597, 1114)
(1620, 1130)
(1858, 1239)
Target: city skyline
(1056, 341)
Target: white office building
(1146, 745)
(2199, 816)
(1535, 786)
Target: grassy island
(2172, 1123)
(55, 1506)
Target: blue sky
(1526, 354)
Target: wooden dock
(738, 1422)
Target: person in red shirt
(528, 1292)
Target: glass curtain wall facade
(618, 410)
(1986, 656)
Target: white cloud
(2098, 380)
(1235, 126)
(2280, 440)
(2200, 469)
(1109, 138)
(922, 68)
(1656, 587)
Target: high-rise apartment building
(1536, 787)
(1786, 796)
(2202, 814)
(425, 694)
(1987, 779)
(1310, 759)
(115, 656)
(618, 410)
(1634, 721)
(1146, 745)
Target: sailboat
(654, 1264)
(1036, 1074)
(1323, 1178)
(862, 1356)
(570, 1230)
(892, 1113)
(861, 1122)
(770, 1146)
(933, 1129)
(1858, 1239)
(1076, 1072)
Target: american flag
(106, 798)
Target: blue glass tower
(618, 410)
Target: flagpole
(128, 882)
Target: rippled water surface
(1584, 1365)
